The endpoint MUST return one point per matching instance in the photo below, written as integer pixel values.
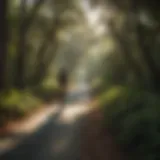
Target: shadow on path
(55, 140)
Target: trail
(59, 137)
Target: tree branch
(50, 37)
(33, 13)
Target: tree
(42, 65)
(25, 24)
(3, 43)
(20, 82)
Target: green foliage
(133, 117)
(31, 39)
(47, 91)
(16, 104)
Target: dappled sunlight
(30, 127)
(72, 112)
(61, 59)
(18, 131)
(68, 118)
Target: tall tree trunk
(3, 43)
(20, 83)
(126, 51)
(28, 21)
(25, 23)
(146, 52)
(147, 48)
(42, 65)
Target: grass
(47, 91)
(16, 104)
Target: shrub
(133, 117)
(47, 91)
(16, 104)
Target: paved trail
(59, 138)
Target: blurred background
(109, 48)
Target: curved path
(59, 137)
